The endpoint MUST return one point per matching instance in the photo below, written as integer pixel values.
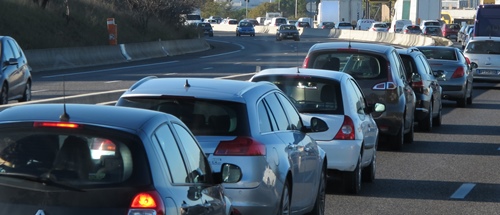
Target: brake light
(389, 85)
(406, 31)
(304, 64)
(467, 60)
(147, 203)
(240, 146)
(107, 145)
(374, 29)
(56, 124)
(346, 131)
(459, 72)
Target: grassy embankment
(37, 28)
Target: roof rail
(138, 83)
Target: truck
(339, 11)
(193, 17)
(425, 10)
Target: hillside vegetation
(35, 27)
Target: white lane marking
(38, 91)
(463, 191)
(112, 69)
(237, 63)
(207, 68)
(215, 55)
(170, 73)
(234, 76)
(109, 82)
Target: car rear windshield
(413, 27)
(84, 158)
(381, 25)
(310, 94)
(483, 47)
(246, 24)
(358, 64)
(431, 23)
(345, 24)
(202, 116)
(441, 54)
(205, 24)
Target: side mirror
(473, 65)
(229, 173)
(377, 108)
(439, 74)
(415, 77)
(318, 125)
(12, 61)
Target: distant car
(467, 37)
(277, 21)
(428, 109)
(206, 28)
(457, 80)
(230, 21)
(364, 24)
(352, 138)
(462, 33)
(245, 28)
(287, 32)
(450, 31)
(15, 77)
(154, 162)
(252, 125)
(379, 27)
(397, 25)
(253, 21)
(425, 23)
(411, 29)
(302, 24)
(484, 55)
(343, 25)
(326, 25)
(432, 31)
(291, 22)
(379, 71)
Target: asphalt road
(452, 170)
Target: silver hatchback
(254, 126)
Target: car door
(185, 195)
(407, 91)
(432, 83)
(11, 67)
(302, 151)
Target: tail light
(389, 85)
(323, 27)
(374, 29)
(147, 203)
(346, 131)
(467, 60)
(459, 72)
(240, 146)
(304, 64)
(406, 31)
(56, 124)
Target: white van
(307, 19)
(277, 21)
(364, 24)
(397, 25)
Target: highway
(452, 170)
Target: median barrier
(147, 50)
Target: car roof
(204, 88)
(436, 47)
(354, 45)
(483, 38)
(321, 73)
(111, 116)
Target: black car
(380, 73)
(15, 76)
(411, 29)
(287, 32)
(96, 159)
(428, 92)
(206, 28)
(432, 31)
(302, 24)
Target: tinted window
(15, 49)
(345, 24)
(293, 116)
(264, 120)
(483, 47)
(164, 138)
(442, 54)
(359, 65)
(278, 114)
(8, 51)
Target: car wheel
(4, 99)
(319, 204)
(408, 137)
(426, 124)
(27, 93)
(398, 140)
(439, 118)
(352, 180)
(469, 99)
(462, 102)
(368, 173)
(285, 200)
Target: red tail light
(346, 131)
(406, 31)
(459, 72)
(467, 60)
(240, 146)
(147, 203)
(304, 64)
(107, 145)
(56, 124)
(374, 29)
(417, 84)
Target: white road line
(109, 82)
(207, 68)
(463, 191)
(38, 91)
(216, 55)
(234, 76)
(174, 73)
(106, 70)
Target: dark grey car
(15, 77)
(379, 71)
(289, 32)
(96, 159)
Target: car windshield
(288, 27)
(310, 94)
(380, 25)
(440, 54)
(358, 65)
(84, 159)
(204, 24)
(202, 116)
(344, 24)
(483, 47)
(246, 24)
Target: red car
(450, 31)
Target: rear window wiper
(45, 180)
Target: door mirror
(415, 77)
(229, 173)
(318, 125)
(473, 65)
(439, 74)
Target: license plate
(487, 72)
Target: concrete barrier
(179, 47)
(141, 51)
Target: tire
(352, 180)
(27, 93)
(285, 204)
(426, 124)
(408, 137)
(439, 118)
(398, 140)
(319, 204)
(4, 99)
(368, 173)
(469, 99)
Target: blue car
(245, 28)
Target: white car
(379, 27)
(351, 141)
(484, 55)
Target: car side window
(164, 138)
(264, 119)
(426, 65)
(399, 65)
(293, 115)
(15, 49)
(359, 98)
(198, 165)
(8, 52)
(277, 112)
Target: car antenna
(187, 84)
(64, 117)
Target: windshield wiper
(45, 180)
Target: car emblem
(40, 212)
